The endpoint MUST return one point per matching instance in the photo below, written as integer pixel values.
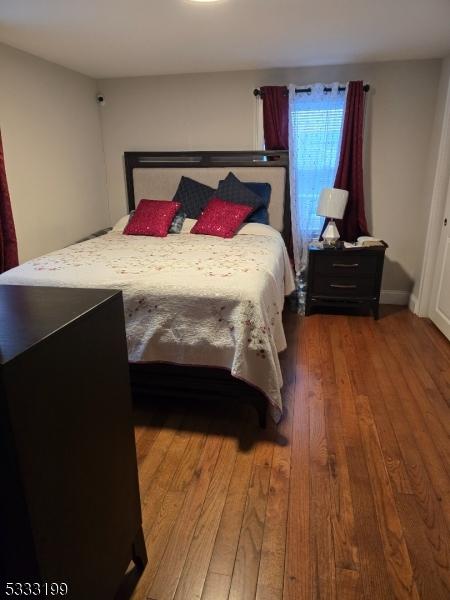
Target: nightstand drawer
(346, 264)
(350, 287)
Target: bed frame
(163, 381)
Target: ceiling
(116, 38)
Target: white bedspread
(189, 299)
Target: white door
(440, 295)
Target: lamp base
(331, 234)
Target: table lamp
(332, 203)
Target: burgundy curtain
(8, 240)
(349, 175)
(275, 100)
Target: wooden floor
(348, 498)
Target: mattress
(188, 299)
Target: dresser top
(29, 314)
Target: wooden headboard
(155, 175)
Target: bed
(203, 314)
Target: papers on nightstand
(370, 243)
(364, 241)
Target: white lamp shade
(332, 203)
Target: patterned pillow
(221, 218)
(233, 190)
(177, 223)
(260, 215)
(193, 196)
(152, 217)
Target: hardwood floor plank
(246, 566)
(197, 440)
(148, 421)
(158, 451)
(374, 575)
(144, 442)
(417, 427)
(166, 580)
(348, 584)
(431, 568)
(271, 566)
(395, 550)
(174, 462)
(342, 345)
(428, 328)
(429, 509)
(438, 355)
(297, 581)
(227, 538)
(427, 395)
(190, 585)
(375, 581)
(323, 570)
(217, 587)
(156, 541)
(367, 350)
(161, 506)
(434, 363)
(342, 515)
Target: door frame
(420, 305)
(438, 316)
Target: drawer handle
(343, 285)
(352, 266)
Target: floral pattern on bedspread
(166, 256)
(188, 299)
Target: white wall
(53, 152)
(216, 112)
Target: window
(317, 134)
(315, 128)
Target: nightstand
(345, 277)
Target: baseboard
(395, 297)
(412, 303)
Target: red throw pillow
(221, 218)
(152, 217)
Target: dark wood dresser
(349, 278)
(69, 500)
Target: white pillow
(121, 223)
(188, 224)
(255, 229)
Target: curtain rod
(366, 88)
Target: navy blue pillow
(233, 190)
(261, 215)
(263, 190)
(194, 196)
